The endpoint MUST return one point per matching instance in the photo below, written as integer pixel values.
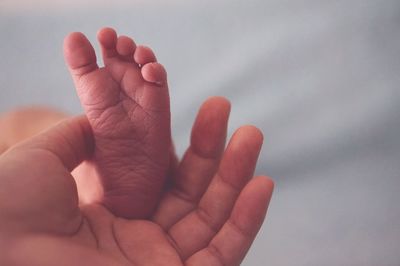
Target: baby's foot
(127, 105)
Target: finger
(71, 141)
(215, 206)
(22, 123)
(199, 163)
(37, 191)
(232, 242)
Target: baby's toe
(144, 55)
(107, 38)
(126, 47)
(79, 54)
(154, 73)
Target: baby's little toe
(154, 73)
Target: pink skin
(127, 105)
(208, 216)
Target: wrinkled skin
(127, 105)
(209, 216)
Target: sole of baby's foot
(127, 104)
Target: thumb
(71, 141)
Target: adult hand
(209, 215)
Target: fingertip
(252, 133)
(265, 183)
(70, 141)
(218, 103)
(241, 155)
(247, 139)
(219, 99)
(210, 127)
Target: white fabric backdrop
(320, 78)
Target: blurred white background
(320, 78)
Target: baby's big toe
(79, 54)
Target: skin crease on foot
(208, 215)
(127, 105)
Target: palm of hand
(208, 216)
